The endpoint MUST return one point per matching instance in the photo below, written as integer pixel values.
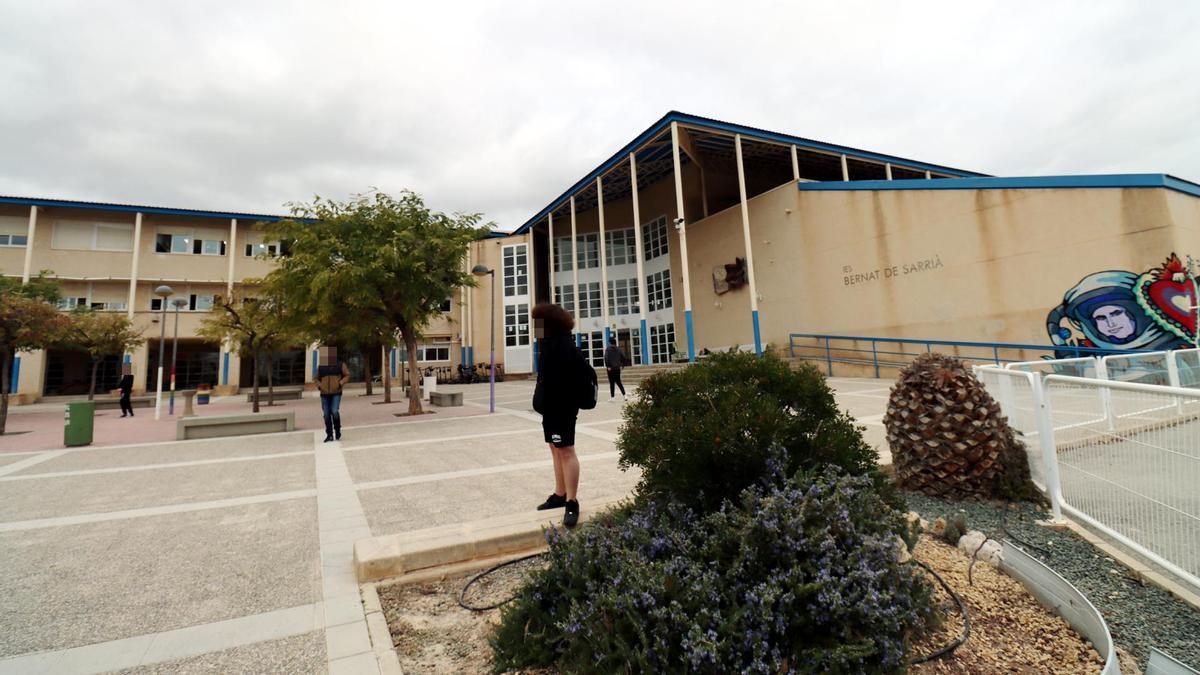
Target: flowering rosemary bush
(703, 434)
(796, 576)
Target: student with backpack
(566, 383)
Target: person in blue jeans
(332, 375)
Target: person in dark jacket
(614, 359)
(560, 378)
(332, 375)
(126, 388)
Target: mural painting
(1121, 310)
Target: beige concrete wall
(976, 265)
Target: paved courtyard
(234, 555)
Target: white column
(29, 235)
(737, 146)
(681, 225)
(845, 169)
(887, 168)
(231, 250)
(550, 234)
(575, 262)
(928, 175)
(795, 165)
(133, 271)
(603, 262)
(641, 274)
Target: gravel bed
(1139, 615)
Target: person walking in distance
(614, 359)
(126, 388)
(332, 375)
(563, 382)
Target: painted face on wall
(1113, 321)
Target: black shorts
(559, 429)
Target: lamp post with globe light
(481, 271)
(163, 292)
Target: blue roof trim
(664, 124)
(1118, 180)
(135, 208)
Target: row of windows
(658, 291)
(427, 353)
(620, 247)
(197, 302)
(76, 303)
(106, 236)
(13, 239)
(592, 345)
(622, 296)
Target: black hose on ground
(1004, 528)
(463, 593)
(962, 608)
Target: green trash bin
(80, 418)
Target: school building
(696, 235)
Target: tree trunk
(95, 369)
(387, 378)
(257, 358)
(4, 377)
(366, 357)
(270, 378)
(414, 375)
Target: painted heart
(1168, 294)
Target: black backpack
(589, 389)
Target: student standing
(332, 375)
(614, 359)
(563, 382)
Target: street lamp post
(480, 271)
(162, 292)
(177, 303)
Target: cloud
(498, 107)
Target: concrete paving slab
(159, 453)
(431, 428)
(439, 456)
(296, 654)
(13, 459)
(99, 493)
(399, 509)
(71, 586)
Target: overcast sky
(497, 107)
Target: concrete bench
(446, 399)
(280, 395)
(115, 403)
(214, 426)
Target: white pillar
(887, 169)
(575, 262)
(681, 225)
(133, 271)
(31, 231)
(928, 175)
(550, 234)
(795, 165)
(737, 146)
(641, 274)
(603, 262)
(845, 169)
(231, 251)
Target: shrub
(703, 434)
(956, 527)
(800, 576)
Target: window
(92, 236)
(658, 291)
(268, 249)
(516, 270)
(516, 325)
(565, 295)
(434, 351)
(201, 303)
(589, 251)
(654, 238)
(620, 247)
(622, 296)
(589, 300)
(563, 261)
(445, 306)
(662, 343)
(209, 247)
(109, 306)
(185, 243)
(155, 304)
(72, 303)
(13, 231)
(592, 346)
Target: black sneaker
(328, 438)
(338, 434)
(572, 515)
(554, 501)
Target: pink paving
(43, 430)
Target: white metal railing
(1122, 457)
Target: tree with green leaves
(254, 326)
(374, 255)
(29, 320)
(99, 334)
